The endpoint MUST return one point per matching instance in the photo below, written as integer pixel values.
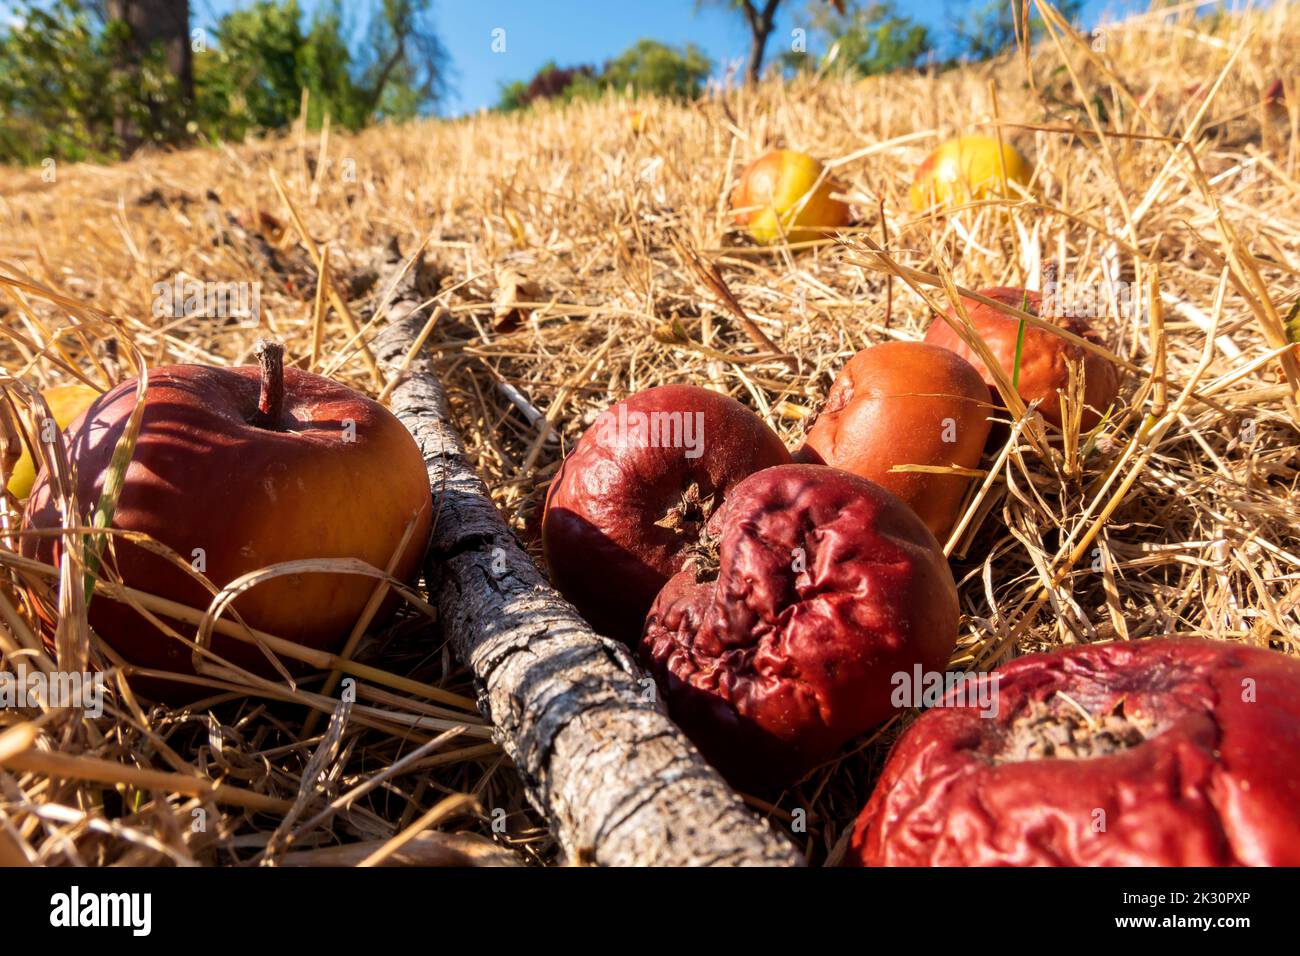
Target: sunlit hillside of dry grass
(561, 236)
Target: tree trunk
(617, 781)
(160, 21)
(761, 24)
(166, 22)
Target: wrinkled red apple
(1151, 753)
(825, 587)
(236, 469)
(1044, 373)
(635, 494)
(905, 403)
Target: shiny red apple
(236, 469)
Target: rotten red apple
(636, 492)
(1044, 356)
(780, 643)
(1150, 753)
(236, 469)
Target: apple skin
(1044, 374)
(203, 476)
(66, 402)
(894, 404)
(769, 190)
(1212, 778)
(967, 169)
(827, 586)
(607, 546)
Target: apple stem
(270, 401)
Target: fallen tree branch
(617, 781)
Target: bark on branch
(617, 781)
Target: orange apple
(905, 403)
(1045, 358)
(236, 469)
(66, 402)
(966, 169)
(784, 193)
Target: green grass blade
(1020, 343)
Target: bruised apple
(966, 169)
(783, 644)
(633, 497)
(783, 193)
(1150, 753)
(905, 403)
(1044, 356)
(236, 469)
(65, 402)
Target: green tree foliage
(653, 68)
(550, 82)
(263, 59)
(249, 79)
(403, 61)
(514, 96)
(648, 67)
(324, 69)
(863, 38)
(61, 94)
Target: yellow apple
(66, 403)
(780, 194)
(966, 169)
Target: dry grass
(1178, 517)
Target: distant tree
(403, 62)
(647, 67)
(864, 38)
(513, 96)
(990, 28)
(94, 79)
(323, 66)
(249, 78)
(254, 75)
(162, 22)
(548, 83)
(651, 67)
(760, 17)
(552, 81)
(145, 30)
(63, 93)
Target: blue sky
(592, 31)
